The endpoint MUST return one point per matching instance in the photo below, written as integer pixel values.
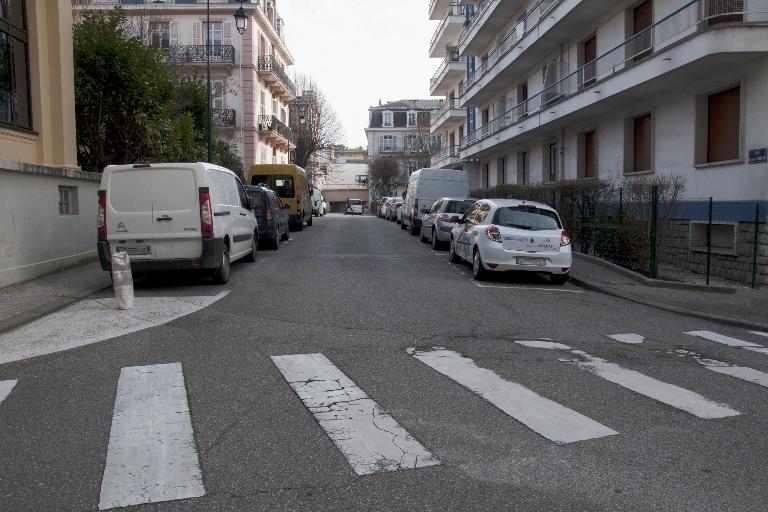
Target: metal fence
(650, 230)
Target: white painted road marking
(760, 333)
(151, 455)
(760, 350)
(6, 386)
(91, 321)
(663, 392)
(545, 417)
(719, 338)
(630, 338)
(743, 373)
(480, 285)
(370, 439)
(549, 345)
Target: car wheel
(558, 279)
(436, 245)
(478, 270)
(274, 241)
(284, 236)
(403, 226)
(414, 229)
(309, 221)
(220, 275)
(452, 253)
(251, 257)
(421, 235)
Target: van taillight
(101, 216)
(206, 213)
(269, 212)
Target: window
(588, 155)
(486, 177)
(642, 18)
(263, 104)
(387, 119)
(527, 217)
(550, 161)
(282, 184)
(217, 33)
(410, 167)
(411, 119)
(501, 171)
(458, 207)
(275, 107)
(68, 204)
(386, 143)
(217, 93)
(482, 213)
(639, 142)
(523, 171)
(436, 206)
(723, 125)
(15, 108)
(411, 143)
(589, 47)
(160, 34)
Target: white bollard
(122, 280)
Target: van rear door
(176, 213)
(130, 226)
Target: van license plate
(139, 250)
(534, 262)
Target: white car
(438, 222)
(325, 206)
(496, 235)
(354, 207)
(173, 216)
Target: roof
(410, 105)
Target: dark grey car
(437, 222)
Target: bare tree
(313, 121)
(382, 172)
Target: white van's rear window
(141, 190)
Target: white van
(175, 216)
(317, 202)
(426, 186)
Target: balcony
(276, 78)
(223, 117)
(488, 19)
(449, 116)
(276, 133)
(437, 8)
(446, 157)
(447, 31)
(696, 40)
(197, 54)
(450, 72)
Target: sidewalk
(739, 307)
(24, 302)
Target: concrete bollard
(122, 280)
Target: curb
(726, 320)
(654, 283)
(23, 319)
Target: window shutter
(174, 34)
(227, 33)
(723, 125)
(642, 150)
(197, 33)
(590, 155)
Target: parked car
(290, 183)
(426, 186)
(325, 206)
(437, 224)
(271, 215)
(317, 201)
(354, 207)
(171, 216)
(380, 207)
(507, 234)
(388, 207)
(393, 208)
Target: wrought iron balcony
(197, 54)
(695, 16)
(276, 132)
(276, 76)
(223, 117)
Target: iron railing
(506, 42)
(452, 10)
(269, 123)
(197, 54)
(269, 63)
(480, 9)
(452, 57)
(442, 154)
(674, 27)
(224, 117)
(448, 105)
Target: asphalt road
(370, 298)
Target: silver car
(438, 221)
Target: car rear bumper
(210, 257)
(496, 258)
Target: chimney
(379, 101)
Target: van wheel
(221, 275)
(309, 221)
(251, 257)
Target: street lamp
(241, 19)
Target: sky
(360, 51)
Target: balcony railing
(223, 117)
(269, 63)
(452, 10)
(197, 54)
(651, 41)
(530, 20)
(480, 8)
(442, 154)
(453, 56)
(449, 104)
(273, 124)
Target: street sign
(758, 156)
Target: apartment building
(401, 130)
(449, 121)
(584, 89)
(251, 88)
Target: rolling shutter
(723, 125)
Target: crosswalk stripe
(720, 338)
(370, 439)
(760, 333)
(545, 417)
(151, 455)
(760, 350)
(6, 386)
(743, 373)
(629, 338)
(663, 392)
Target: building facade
(250, 86)
(401, 130)
(568, 89)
